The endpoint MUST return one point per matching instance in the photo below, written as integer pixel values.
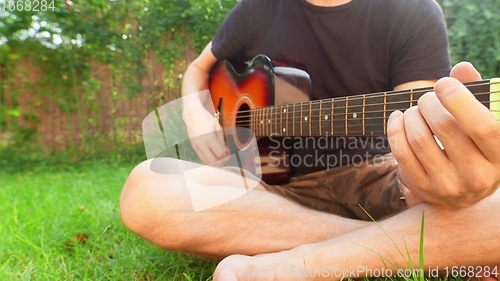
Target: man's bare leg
(462, 238)
(158, 207)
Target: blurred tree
(474, 31)
(65, 40)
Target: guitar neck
(361, 115)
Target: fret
(289, 117)
(268, 121)
(314, 125)
(411, 98)
(338, 122)
(325, 118)
(284, 124)
(320, 114)
(374, 114)
(263, 121)
(279, 120)
(275, 121)
(293, 119)
(306, 118)
(280, 124)
(354, 115)
(396, 101)
(332, 117)
(284, 113)
(262, 117)
(301, 118)
(414, 96)
(310, 121)
(277, 125)
(494, 97)
(284, 116)
(345, 116)
(363, 115)
(298, 119)
(385, 113)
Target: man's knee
(145, 202)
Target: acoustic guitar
(256, 96)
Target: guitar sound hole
(243, 132)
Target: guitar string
(390, 94)
(327, 102)
(359, 115)
(277, 108)
(316, 127)
(336, 123)
(310, 104)
(275, 114)
(352, 129)
(343, 100)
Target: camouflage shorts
(372, 184)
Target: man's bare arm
(205, 132)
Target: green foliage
(473, 27)
(67, 40)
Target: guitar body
(236, 88)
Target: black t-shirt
(364, 46)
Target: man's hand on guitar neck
(468, 168)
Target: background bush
(67, 41)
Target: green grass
(62, 223)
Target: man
(403, 46)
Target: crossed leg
(159, 208)
(301, 241)
(453, 240)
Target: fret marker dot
(354, 115)
(284, 130)
(284, 110)
(269, 121)
(261, 121)
(326, 117)
(305, 118)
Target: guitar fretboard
(361, 115)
